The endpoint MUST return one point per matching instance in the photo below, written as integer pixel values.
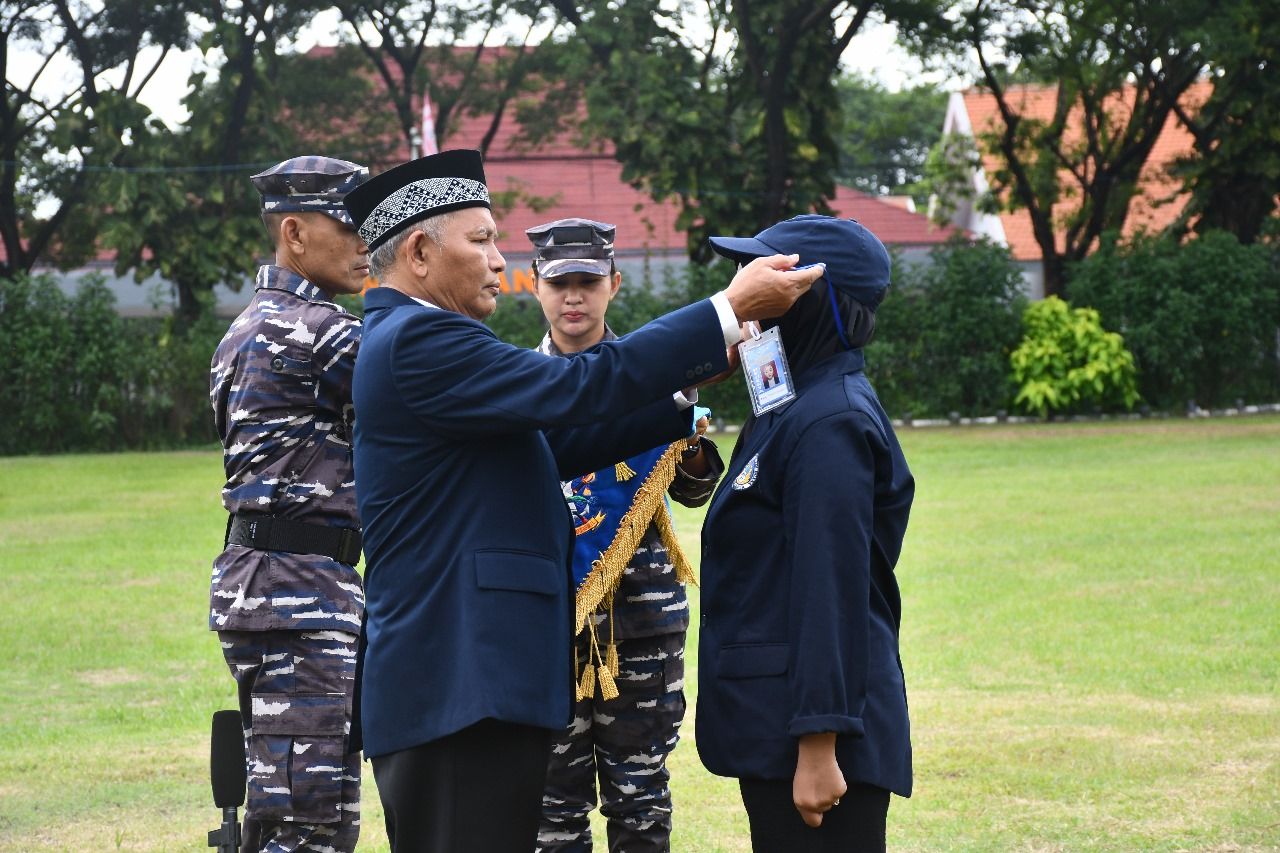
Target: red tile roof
(565, 177)
(588, 182)
(1159, 199)
(889, 219)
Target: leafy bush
(1201, 317)
(38, 353)
(77, 376)
(945, 330)
(518, 321)
(1067, 360)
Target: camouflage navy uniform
(288, 622)
(626, 741)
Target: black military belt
(273, 533)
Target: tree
(739, 125)
(178, 201)
(1234, 175)
(414, 49)
(55, 149)
(1118, 72)
(887, 135)
(181, 204)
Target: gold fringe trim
(684, 571)
(648, 504)
(597, 590)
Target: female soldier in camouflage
(630, 649)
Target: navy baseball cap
(857, 262)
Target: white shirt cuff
(685, 399)
(728, 320)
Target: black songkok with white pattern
(383, 206)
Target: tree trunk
(189, 306)
(1054, 271)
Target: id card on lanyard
(764, 364)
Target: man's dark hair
(272, 222)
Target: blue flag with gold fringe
(611, 510)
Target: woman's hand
(692, 460)
(818, 784)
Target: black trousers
(479, 790)
(857, 825)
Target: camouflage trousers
(625, 741)
(295, 692)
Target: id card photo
(764, 362)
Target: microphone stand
(228, 773)
(227, 837)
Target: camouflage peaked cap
(310, 185)
(572, 245)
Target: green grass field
(1091, 642)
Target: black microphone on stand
(229, 775)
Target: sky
(873, 53)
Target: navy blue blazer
(461, 441)
(800, 608)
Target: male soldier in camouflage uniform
(286, 600)
(625, 740)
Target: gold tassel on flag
(611, 662)
(608, 689)
(596, 592)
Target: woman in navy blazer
(800, 687)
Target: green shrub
(945, 330)
(38, 359)
(1200, 317)
(1067, 361)
(518, 321)
(77, 376)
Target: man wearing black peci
(461, 443)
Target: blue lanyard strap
(835, 312)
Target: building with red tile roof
(564, 177)
(1157, 203)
